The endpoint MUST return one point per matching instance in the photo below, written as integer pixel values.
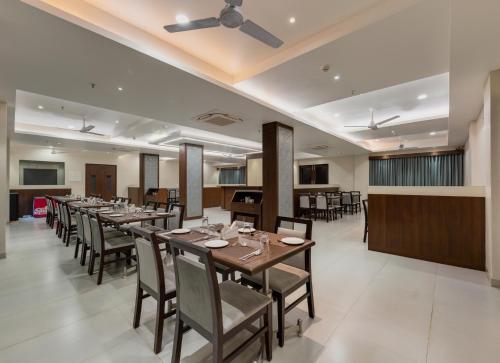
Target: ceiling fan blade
(87, 128)
(94, 133)
(387, 120)
(259, 33)
(357, 126)
(234, 2)
(193, 25)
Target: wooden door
(100, 180)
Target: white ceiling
(372, 45)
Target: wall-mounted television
(40, 176)
(313, 174)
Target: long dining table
(77, 204)
(118, 218)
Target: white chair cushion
(282, 278)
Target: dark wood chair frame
(312, 206)
(281, 298)
(144, 291)
(69, 229)
(183, 211)
(127, 250)
(356, 205)
(217, 337)
(365, 208)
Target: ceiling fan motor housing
(230, 17)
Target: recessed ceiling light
(40, 107)
(421, 97)
(71, 127)
(120, 89)
(291, 20)
(181, 19)
(336, 77)
(117, 121)
(432, 133)
(337, 115)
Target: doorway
(100, 180)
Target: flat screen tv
(313, 174)
(40, 176)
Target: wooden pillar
(4, 178)
(191, 179)
(277, 176)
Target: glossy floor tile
(370, 307)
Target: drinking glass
(204, 225)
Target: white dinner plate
(246, 230)
(292, 240)
(180, 231)
(147, 211)
(162, 214)
(106, 212)
(216, 243)
(116, 215)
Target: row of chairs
(329, 205)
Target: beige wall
(254, 172)
(4, 177)
(349, 172)
(210, 174)
(169, 173)
(74, 162)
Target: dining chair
(345, 199)
(154, 279)
(365, 207)
(287, 277)
(103, 246)
(241, 218)
(60, 220)
(48, 212)
(306, 205)
(356, 201)
(218, 312)
(177, 220)
(336, 204)
(79, 233)
(54, 212)
(323, 207)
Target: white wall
(169, 173)
(210, 174)
(349, 172)
(74, 162)
(4, 177)
(254, 172)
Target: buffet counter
(438, 224)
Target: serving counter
(438, 224)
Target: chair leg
(101, 269)
(268, 336)
(77, 245)
(365, 234)
(176, 353)
(160, 312)
(68, 237)
(91, 262)
(217, 351)
(225, 276)
(84, 254)
(138, 307)
(233, 276)
(310, 299)
(281, 320)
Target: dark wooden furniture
(212, 197)
(199, 305)
(443, 229)
(153, 280)
(156, 195)
(135, 195)
(365, 208)
(248, 202)
(227, 192)
(100, 179)
(79, 204)
(26, 196)
(290, 275)
(297, 192)
(133, 217)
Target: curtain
(232, 175)
(428, 170)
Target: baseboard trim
(495, 283)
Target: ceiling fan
(374, 125)
(87, 129)
(230, 17)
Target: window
(313, 174)
(33, 172)
(232, 175)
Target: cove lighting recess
(181, 19)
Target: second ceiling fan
(230, 17)
(374, 125)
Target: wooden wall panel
(211, 197)
(449, 230)
(26, 198)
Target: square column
(4, 178)
(191, 179)
(277, 175)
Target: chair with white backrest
(306, 205)
(287, 277)
(356, 201)
(323, 207)
(218, 312)
(154, 279)
(177, 220)
(346, 201)
(79, 232)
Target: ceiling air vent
(319, 147)
(218, 118)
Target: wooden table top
(230, 255)
(133, 217)
(63, 199)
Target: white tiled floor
(370, 307)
